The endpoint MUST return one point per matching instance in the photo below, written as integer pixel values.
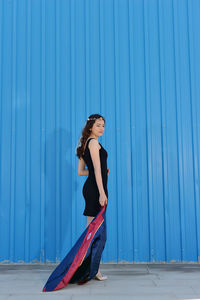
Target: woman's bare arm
(94, 151)
(81, 168)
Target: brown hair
(86, 133)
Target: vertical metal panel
(135, 62)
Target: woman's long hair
(86, 133)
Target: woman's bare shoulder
(93, 143)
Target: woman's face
(98, 127)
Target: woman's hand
(108, 171)
(103, 200)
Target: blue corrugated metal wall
(135, 62)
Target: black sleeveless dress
(90, 189)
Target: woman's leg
(89, 220)
(98, 275)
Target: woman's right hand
(103, 199)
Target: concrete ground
(125, 281)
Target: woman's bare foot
(100, 277)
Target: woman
(92, 154)
(81, 263)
